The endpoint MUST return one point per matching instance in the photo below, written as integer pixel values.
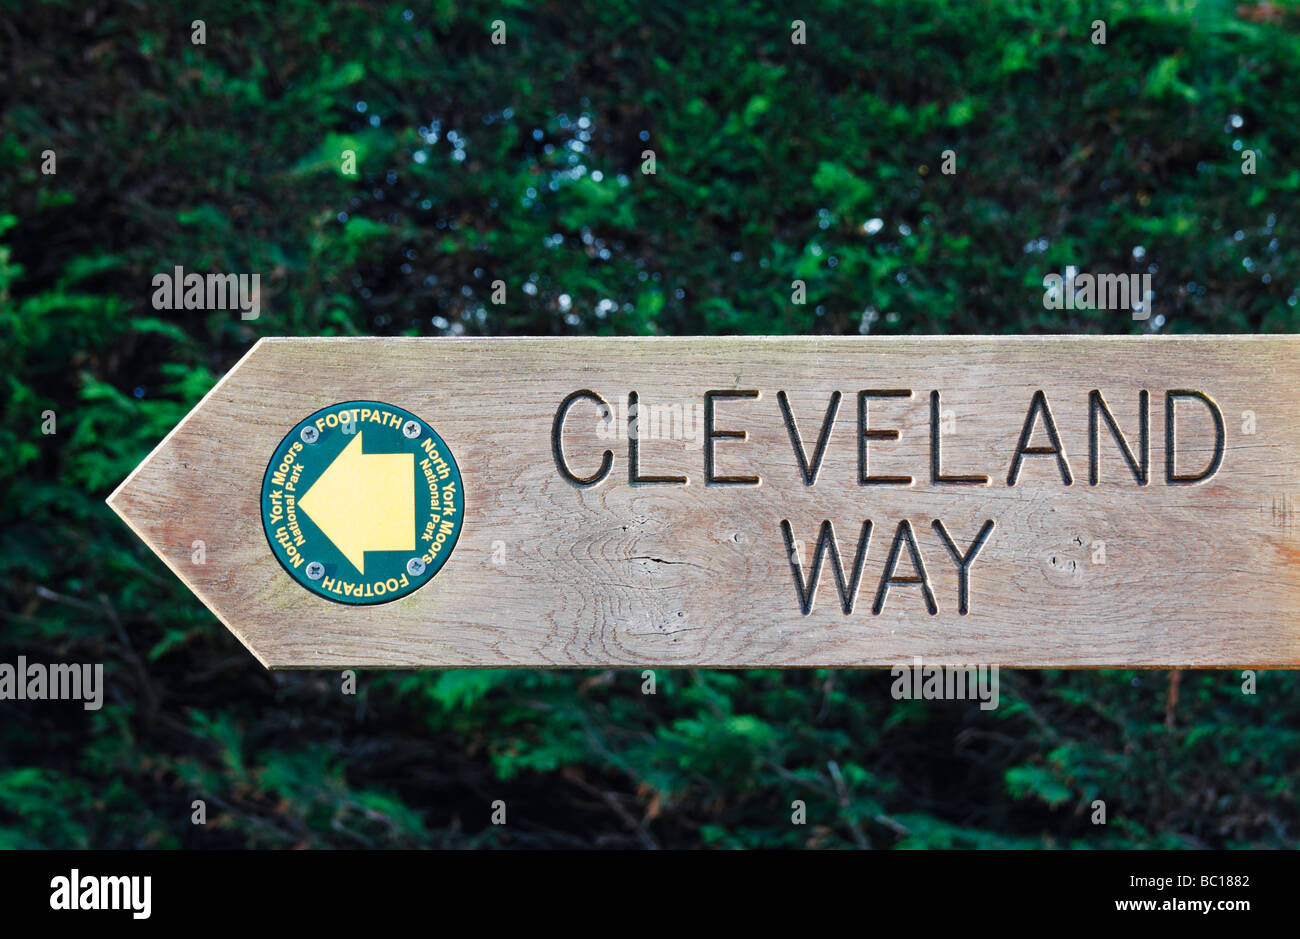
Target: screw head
(309, 434)
(411, 429)
(315, 570)
(415, 567)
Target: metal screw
(415, 567)
(309, 434)
(315, 570)
(411, 429)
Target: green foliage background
(523, 162)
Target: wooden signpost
(737, 502)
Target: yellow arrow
(365, 502)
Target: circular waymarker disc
(362, 502)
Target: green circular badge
(362, 502)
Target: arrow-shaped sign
(737, 502)
(365, 502)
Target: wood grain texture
(549, 574)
